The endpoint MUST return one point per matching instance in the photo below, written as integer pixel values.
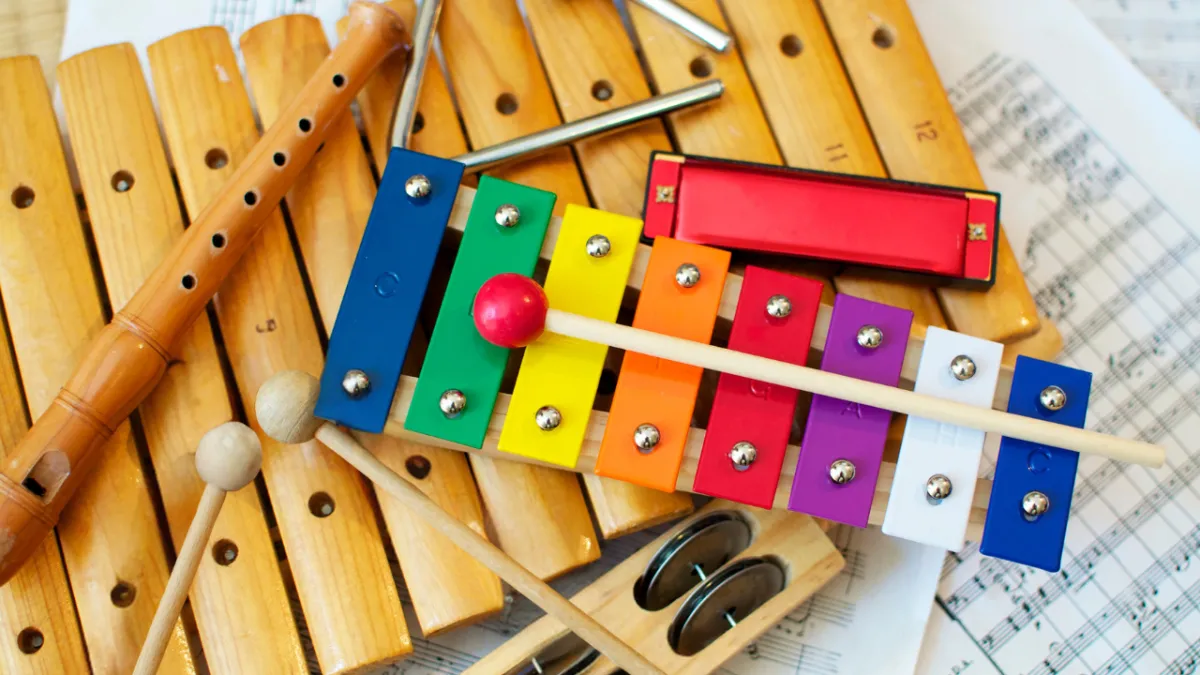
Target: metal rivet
(841, 471)
(547, 417)
(869, 337)
(743, 454)
(779, 306)
(646, 437)
(598, 246)
(355, 383)
(687, 275)
(507, 215)
(452, 403)
(937, 488)
(1053, 398)
(962, 367)
(418, 186)
(1034, 505)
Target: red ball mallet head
(510, 310)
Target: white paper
(1161, 38)
(1103, 171)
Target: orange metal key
(652, 405)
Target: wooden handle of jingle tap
(285, 411)
(129, 356)
(227, 459)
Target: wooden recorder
(86, 598)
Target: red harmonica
(944, 235)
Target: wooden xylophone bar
(582, 45)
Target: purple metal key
(866, 340)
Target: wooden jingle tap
(285, 406)
(227, 459)
(129, 356)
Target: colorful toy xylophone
(487, 310)
(108, 560)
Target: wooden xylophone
(87, 596)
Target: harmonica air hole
(216, 159)
(22, 197)
(122, 181)
(506, 104)
(30, 640)
(791, 46)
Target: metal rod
(606, 122)
(424, 28)
(696, 28)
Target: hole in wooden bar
(339, 80)
(418, 466)
(280, 158)
(791, 46)
(418, 123)
(602, 90)
(216, 159)
(218, 240)
(48, 474)
(700, 67)
(224, 552)
(122, 594)
(22, 197)
(320, 505)
(251, 198)
(188, 282)
(506, 104)
(30, 640)
(883, 37)
(122, 181)
(305, 125)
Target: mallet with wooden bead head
(227, 459)
(285, 407)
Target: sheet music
(1160, 37)
(1101, 171)
(884, 591)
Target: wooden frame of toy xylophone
(88, 595)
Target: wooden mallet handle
(227, 459)
(285, 411)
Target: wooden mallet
(227, 459)
(285, 407)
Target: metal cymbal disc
(569, 655)
(709, 542)
(736, 590)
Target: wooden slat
(341, 572)
(733, 127)
(920, 139)
(539, 514)
(108, 532)
(114, 130)
(329, 207)
(33, 28)
(592, 67)
(815, 116)
(35, 604)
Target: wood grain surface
(324, 514)
(114, 132)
